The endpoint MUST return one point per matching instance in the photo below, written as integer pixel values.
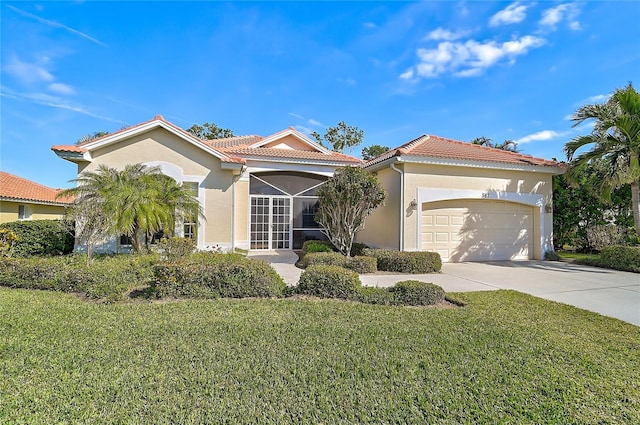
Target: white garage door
(477, 230)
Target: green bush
(176, 248)
(357, 249)
(415, 292)
(406, 262)
(107, 278)
(40, 237)
(357, 264)
(363, 264)
(317, 246)
(375, 295)
(326, 281)
(621, 258)
(325, 258)
(551, 256)
(213, 275)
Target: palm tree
(482, 141)
(508, 145)
(614, 142)
(138, 200)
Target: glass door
(270, 222)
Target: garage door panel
(477, 230)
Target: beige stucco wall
(9, 211)
(477, 179)
(289, 142)
(383, 226)
(161, 146)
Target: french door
(270, 222)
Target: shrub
(108, 277)
(621, 258)
(375, 295)
(357, 264)
(176, 248)
(40, 237)
(551, 256)
(213, 275)
(405, 261)
(327, 281)
(362, 264)
(357, 249)
(415, 292)
(317, 246)
(325, 258)
(8, 239)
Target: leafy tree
(373, 151)
(614, 142)
(346, 200)
(135, 201)
(91, 136)
(507, 145)
(482, 141)
(340, 138)
(209, 131)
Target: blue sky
(504, 70)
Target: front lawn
(505, 357)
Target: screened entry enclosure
(283, 207)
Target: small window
(190, 230)
(23, 212)
(125, 240)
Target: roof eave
(481, 164)
(34, 201)
(75, 157)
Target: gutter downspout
(401, 172)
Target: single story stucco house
(464, 201)
(22, 199)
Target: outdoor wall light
(413, 204)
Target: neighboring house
(22, 199)
(466, 202)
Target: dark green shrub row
(357, 264)
(406, 261)
(621, 258)
(357, 249)
(40, 237)
(107, 277)
(214, 275)
(176, 248)
(329, 281)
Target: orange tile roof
(440, 147)
(244, 151)
(14, 187)
(234, 141)
(68, 148)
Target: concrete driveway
(609, 292)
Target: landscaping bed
(505, 357)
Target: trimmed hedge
(317, 246)
(40, 237)
(326, 281)
(625, 258)
(107, 278)
(214, 275)
(414, 262)
(415, 292)
(357, 264)
(176, 248)
(375, 295)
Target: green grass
(577, 256)
(505, 357)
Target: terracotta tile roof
(234, 141)
(68, 148)
(14, 187)
(244, 151)
(440, 147)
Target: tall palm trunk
(635, 204)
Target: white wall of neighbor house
(185, 162)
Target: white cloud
(541, 136)
(566, 11)
(599, 98)
(62, 88)
(370, 25)
(407, 75)
(308, 121)
(512, 14)
(56, 24)
(314, 122)
(444, 34)
(28, 73)
(470, 58)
